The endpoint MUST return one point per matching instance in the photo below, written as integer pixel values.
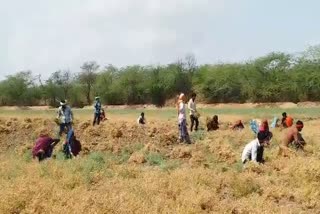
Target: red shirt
(43, 143)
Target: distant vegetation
(276, 77)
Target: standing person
(97, 111)
(65, 117)
(44, 145)
(193, 112)
(253, 151)
(183, 130)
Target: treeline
(276, 77)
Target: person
(286, 120)
(64, 117)
(97, 111)
(283, 120)
(292, 137)
(213, 124)
(237, 126)
(194, 116)
(102, 115)
(274, 123)
(254, 150)
(264, 126)
(141, 120)
(183, 130)
(72, 146)
(43, 147)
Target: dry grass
(145, 170)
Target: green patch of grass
(91, 165)
(155, 159)
(198, 136)
(59, 156)
(170, 165)
(123, 157)
(27, 156)
(137, 147)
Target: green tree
(87, 78)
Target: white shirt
(251, 151)
(182, 112)
(192, 107)
(138, 120)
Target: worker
(72, 146)
(194, 116)
(97, 111)
(237, 126)
(286, 120)
(213, 124)
(292, 137)
(64, 117)
(141, 119)
(44, 145)
(183, 130)
(253, 151)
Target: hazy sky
(48, 35)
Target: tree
(63, 79)
(87, 78)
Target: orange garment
(289, 121)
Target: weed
(154, 158)
(170, 165)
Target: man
(43, 147)
(72, 146)
(213, 124)
(237, 126)
(193, 112)
(65, 117)
(286, 120)
(293, 137)
(97, 111)
(253, 151)
(183, 130)
(142, 119)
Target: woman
(183, 130)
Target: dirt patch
(137, 158)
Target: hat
(97, 97)
(63, 102)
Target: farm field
(126, 168)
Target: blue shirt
(97, 107)
(65, 115)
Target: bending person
(292, 137)
(44, 145)
(253, 151)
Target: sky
(50, 35)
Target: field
(126, 168)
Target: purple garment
(44, 144)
